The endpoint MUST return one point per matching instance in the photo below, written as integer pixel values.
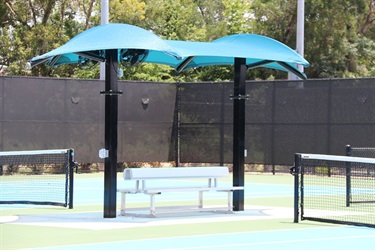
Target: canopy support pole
(110, 133)
(239, 132)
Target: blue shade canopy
(135, 44)
(259, 51)
(92, 43)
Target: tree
(127, 11)
(368, 19)
(34, 27)
(333, 45)
(339, 35)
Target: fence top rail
(337, 158)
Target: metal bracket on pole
(103, 153)
(111, 92)
(239, 97)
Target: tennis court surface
(266, 223)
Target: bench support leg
(200, 205)
(122, 204)
(152, 204)
(230, 201)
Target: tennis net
(43, 177)
(327, 188)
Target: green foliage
(338, 31)
(148, 72)
(238, 16)
(333, 43)
(127, 11)
(339, 35)
(33, 29)
(89, 71)
(174, 20)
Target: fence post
(177, 125)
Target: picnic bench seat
(209, 174)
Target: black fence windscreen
(45, 113)
(188, 122)
(205, 122)
(282, 118)
(146, 119)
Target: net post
(71, 165)
(348, 176)
(295, 172)
(348, 150)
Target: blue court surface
(266, 223)
(333, 238)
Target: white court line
(94, 221)
(7, 219)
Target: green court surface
(266, 222)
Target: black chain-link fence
(45, 113)
(282, 118)
(189, 122)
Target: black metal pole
(222, 127)
(110, 133)
(239, 98)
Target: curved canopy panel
(259, 51)
(92, 43)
